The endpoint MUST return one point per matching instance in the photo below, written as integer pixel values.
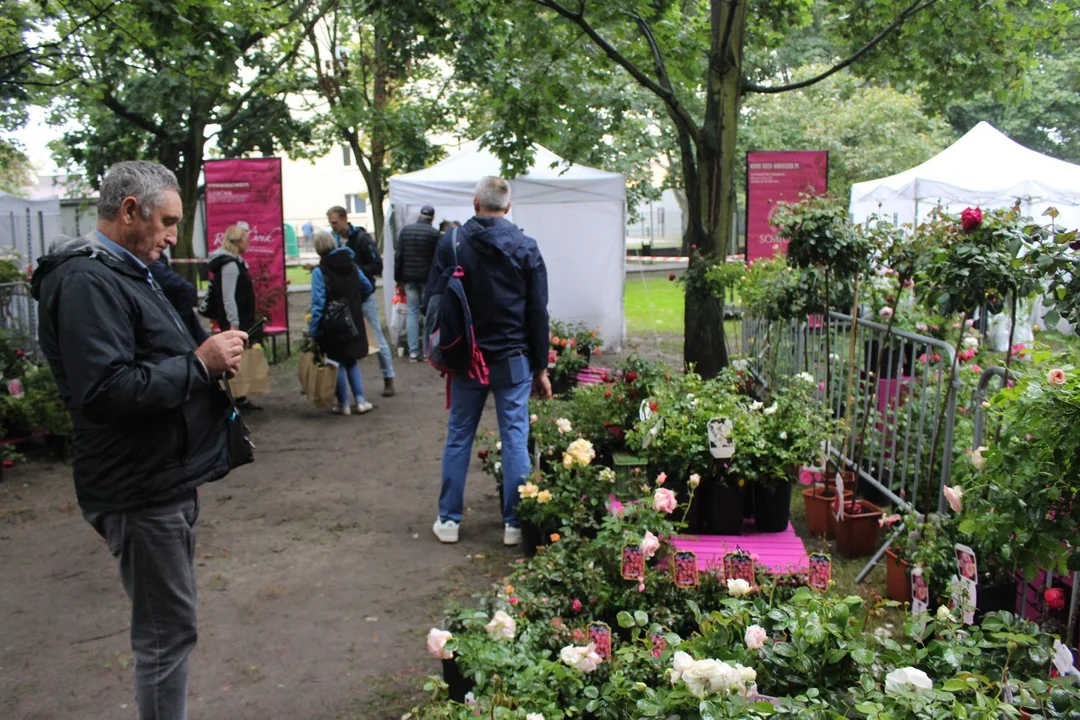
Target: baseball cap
(427, 211)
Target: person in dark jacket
(338, 278)
(147, 410)
(506, 285)
(233, 303)
(182, 295)
(367, 258)
(413, 254)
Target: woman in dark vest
(337, 278)
(234, 303)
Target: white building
(311, 187)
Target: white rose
(977, 458)
(771, 409)
(756, 405)
(737, 587)
(498, 446)
(584, 659)
(681, 662)
(971, 342)
(755, 638)
(708, 677)
(746, 674)
(805, 377)
(501, 627)
(498, 467)
(783, 435)
(907, 678)
(436, 643)
(563, 425)
(534, 716)
(943, 612)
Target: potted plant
(857, 529)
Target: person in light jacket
(337, 278)
(234, 290)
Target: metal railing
(19, 317)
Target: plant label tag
(600, 635)
(1061, 663)
(685, 568)
(647, 439)
(644, 411)
(739, 566)
(721, 444)
(633, 562)
(838, 504)
(963, 597)
(966, 564)
(920, 592)
(820, 573)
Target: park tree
(20, 83)
(165, 80)
(700, 59)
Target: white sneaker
(447, 531)
(342, 410)
(364, 407)
(511, 535)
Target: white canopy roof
(576, 214)
(984, 168)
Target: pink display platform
(779, 553)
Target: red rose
(971, 218)
(607, 394)
(631, 377)
(671, 277)
(653, 405)
(9, 463)
(1055, 598)
(482, 454)
(19, 354)
(693, 247)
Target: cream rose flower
(978, 459)
(607, 475)
(694, 481)
(907, 678)
(737, 587)
(755, 637)
(649, 545)
(528, 490)
(501, 627)
(436, 643)
(567, 460)
(581, 450)
(955, 497)
(664, 501)
(584, 659)
(771, 409)
(1056, 377)
(563, 425)
(544, 496)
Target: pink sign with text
(773, 177)
(249, 190)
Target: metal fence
(19, 317)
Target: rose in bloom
(921, 327)
(528, 490)
(943, 613)
(567, 461)
(708, 677)
(978, 459)
(671, 277)
(886, 312)
(664, 501)
(889, 520)
(533, 418)
(498, 446)
(19, 354)
(575, 605)
(694, 481)
(554, 537)
(907, 678)
(1055, 598)
(501, 627)
(15, 388)
(582, 452)
(482, 454)
(607, 475)
(971, 219)
(544, 496)
(955, 497)
(631, 377)
(737, 587)
(1056, 377)
(9, 463)
(563, 425)
(436, 644)
(650, 544)
(971, 342)
(534, 716)
(584, 659)
(770, 410)
(755, 637)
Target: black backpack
(337, 324)
(211, 306)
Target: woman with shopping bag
(338, 291)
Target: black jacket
(343, 283)
(183, 297)
(414, 252)
(366, 254)
(506, 284)
(149, 424)
(245, 292)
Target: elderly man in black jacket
(413, 254)
(148, 411)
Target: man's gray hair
(493, 193)
(141, 179)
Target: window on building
(355, 204)
(346, 153)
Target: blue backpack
(452, 347)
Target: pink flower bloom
(889, 520)
(15, 388)
(909, 283)
(575, 605)
(661, 478)
(514, 600)
(755, 637)
(976, 369)
(649, 545)
(955, 497)
(921, 327)
(886, 312)
(971, 219)
(923, 359)
(970, 322)
(436, 644)
(1054, 377)
(664, 501)
(641, 587)
(821, 385)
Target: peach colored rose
(664, 501)
(755, 637)
(436, 644)
(955, 498)
(649, 545)
(1056, 377)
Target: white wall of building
(311, 187)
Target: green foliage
(767, 288)
(819, 235)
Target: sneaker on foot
(414, 358)
(364, 407)
(511, 535)
(446, 530)
(342, 410)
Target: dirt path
(318, 573)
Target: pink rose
(955, 497)
(575, 605)
(649, 545)
(886, 312)
(15, 388)
(971, 219)
(661, 478)
(755, 637)
(921, 327)
(1054, 377)
(664, 501)
(436, 644)
(889, 520)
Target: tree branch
(911, 10)
(665, 94)
(109, 100)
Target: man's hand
(221, 353)
(542, 385)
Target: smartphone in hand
(255, 329)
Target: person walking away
(148, 412)
(233, 291)
(505, 283)
(337, 278)
(413, 255)
(182, 295)
(369, 261)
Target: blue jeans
(371, 313)
(414, 292)
(511, 382)
(155, 548)
(348, 373)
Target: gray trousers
(155, 548)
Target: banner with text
(249, 191)
(772, 177)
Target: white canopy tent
(576, 214)
(984, 168)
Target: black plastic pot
(994, 598)
(772, 506)
(532, 538)
(458, 685)
(722, 508)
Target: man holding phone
(148, 411)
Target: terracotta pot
(897, 577)
(857, 534)
(819, 503)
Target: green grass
(297, 275)
(653, 304)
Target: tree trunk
(381, 92)
(188, 176)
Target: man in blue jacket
(506, 285)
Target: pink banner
(249, 190)
(772, 177)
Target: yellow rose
(544, 496)
(528, 490)
(567, 460)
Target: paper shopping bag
(318, 380)
(253, 377)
